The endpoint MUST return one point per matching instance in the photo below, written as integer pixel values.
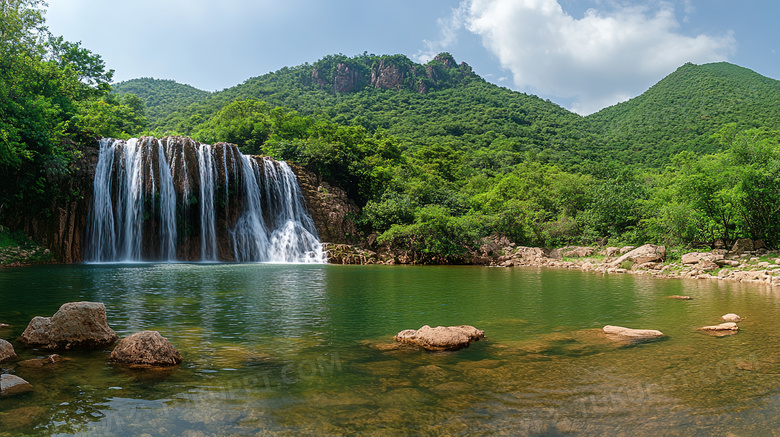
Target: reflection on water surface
(307, 349)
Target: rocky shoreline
(747, 261)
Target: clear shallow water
(307, 349)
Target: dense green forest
(53, 94)
(436, 157)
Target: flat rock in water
(76, 325)
(147, 348)
(7, 352)
(731, 317)
(12, 385)
(4, 325)
(632, 334)
(440, 338)
(727, 326)
(680, 297)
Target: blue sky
(582, 54)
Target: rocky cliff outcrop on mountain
(390, 73)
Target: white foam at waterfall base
(122, 202)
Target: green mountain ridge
(443, 102)
(683, 110)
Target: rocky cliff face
(329, 207)
(387, 75)
(392, 73)
(62, 226)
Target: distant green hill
(161, 97)
(683, 110)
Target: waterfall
(178, 200)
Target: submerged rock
(12, 385)
(40, 362)
(632, 334)
(148, 348)
(7, 352)
(76, 325)
(731, 317)
(441, 337)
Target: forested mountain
(443, 102)
(438, 158)
(682, 111)
(161, 97)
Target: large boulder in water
(12, 385)
(147, 348)
(441, 337)
(76, 325)
(7, 352)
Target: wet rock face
(62, 230)
(13, 385)
(146, 348)
(441, 338)
(7, 352)
(76, 325)
(328, 206)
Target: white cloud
(603, 58)
(448, 30)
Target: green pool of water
(308, 350)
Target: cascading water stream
(177, 200)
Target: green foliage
(683, 111)
(51, 91)
(436, 236)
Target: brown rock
(387, 75)
(728, 326)
(643, 254)
(742, 245)
(4, 325)
(148, 348)
(577, 251)
(639, 334)
(41, 362)
(706, 264)
(441, 337)
(7, 352)
(731, 317)
(12, 385)
(329, 207)
(76, 325)
(680, 297)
